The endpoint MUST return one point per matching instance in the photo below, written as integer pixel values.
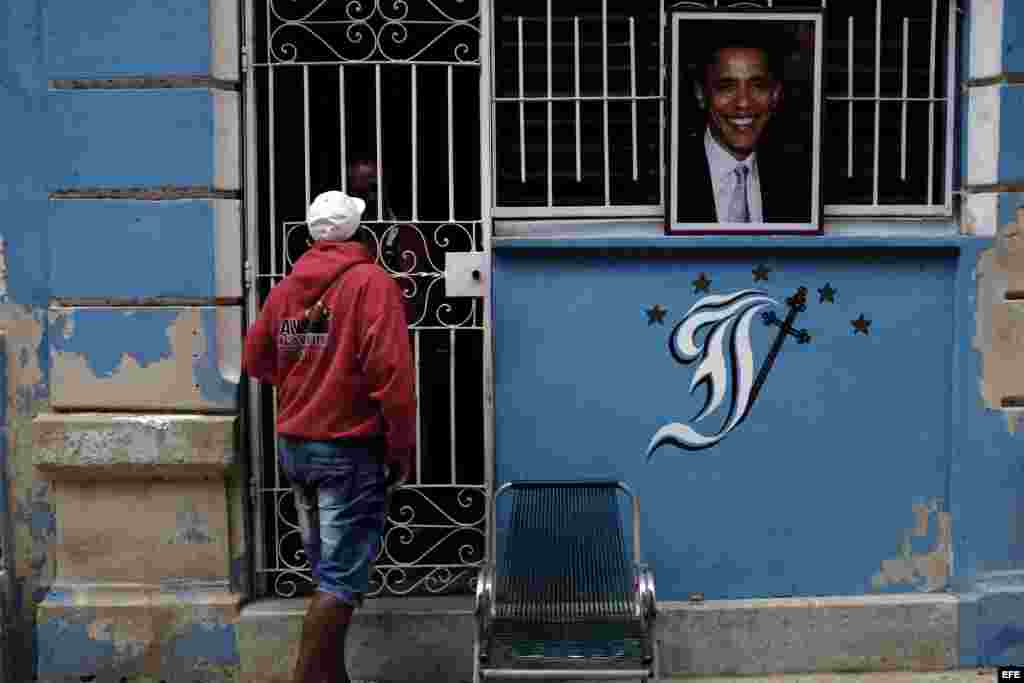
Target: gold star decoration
(827, 294)
(761, 272)
(861, 325)
(656, 314)
(701, 284)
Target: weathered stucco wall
(154, 592)
(120, 188)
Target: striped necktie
(739, 212)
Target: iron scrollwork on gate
(384, 30)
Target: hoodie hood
(320, 267)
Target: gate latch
(466, 273)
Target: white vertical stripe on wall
(986, 44)
(981, 212)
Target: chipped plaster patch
(158, 422)
(84, 441)
(67, 327)
(1013, 419)
(192, 527)
(928, 571)
(999, 331)
(101, 629)
(24, 331)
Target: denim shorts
(339, 492)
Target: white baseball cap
(334, 216)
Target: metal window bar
(604, 119)
(878, 102)
(305, 136)
(576, 91)
(415, 139)
(632, 94)
(849, 92)
(906, 94)
(522, 103)
(451, 401)
(379, 148)
(341, 125)
(550, 104)
(931, 105)
(417, 355)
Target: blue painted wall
(128, 37)
(857, 455)
(126, 138)
(1013, 36)
(1011, 153)
(27, 142)
(132, 248)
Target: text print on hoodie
(345, 370)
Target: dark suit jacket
(785, 184)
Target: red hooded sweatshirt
(349, 375)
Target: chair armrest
(644, 594)
(484, 608)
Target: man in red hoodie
(333, 338)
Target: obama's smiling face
(739, 94)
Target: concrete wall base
(431, 639)
(137, 634)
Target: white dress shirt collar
(722, 166)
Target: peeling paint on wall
(167, 643)
(217, 372)
(101, 342)
(122, 374)
(926, 569)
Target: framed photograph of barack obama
(744, 133)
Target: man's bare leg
(322, 649)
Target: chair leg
(656, 660)
(476, 658)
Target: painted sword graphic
(726, 357)
(797, 305)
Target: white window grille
(579, 95)
(577, 107)
(889, 114)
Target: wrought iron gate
(382, 98)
